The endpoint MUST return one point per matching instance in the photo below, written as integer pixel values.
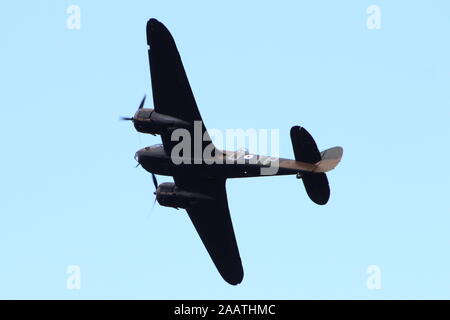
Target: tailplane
(305, 150)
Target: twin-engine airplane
(199, 185)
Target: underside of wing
(172, 94)
(213, 223)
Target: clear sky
(70, 194)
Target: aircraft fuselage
(227, 164)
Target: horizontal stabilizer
(306, 151)
(317, 187)
(305, 148)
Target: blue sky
(70, 194)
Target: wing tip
(153, 25)
(157, 31)
(234, 279)
(152, 22)
(231, 272)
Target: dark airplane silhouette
(199, 185)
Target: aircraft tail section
(305, 150)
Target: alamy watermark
(195, 147)
(373, 281)
(73, 21)
(73, 281)
(374, 19)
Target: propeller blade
(141, 105)
(155, 182)
(142, 102)
(151, 211)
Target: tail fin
(305, 150)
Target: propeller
(151, 211)
(155, 182)
(142, 102)
(141, 105)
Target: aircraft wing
(172, 94)
(213, 223)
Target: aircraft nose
(138, 155)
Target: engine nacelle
(147, 120)
(169, 195)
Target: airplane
(199, 185)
